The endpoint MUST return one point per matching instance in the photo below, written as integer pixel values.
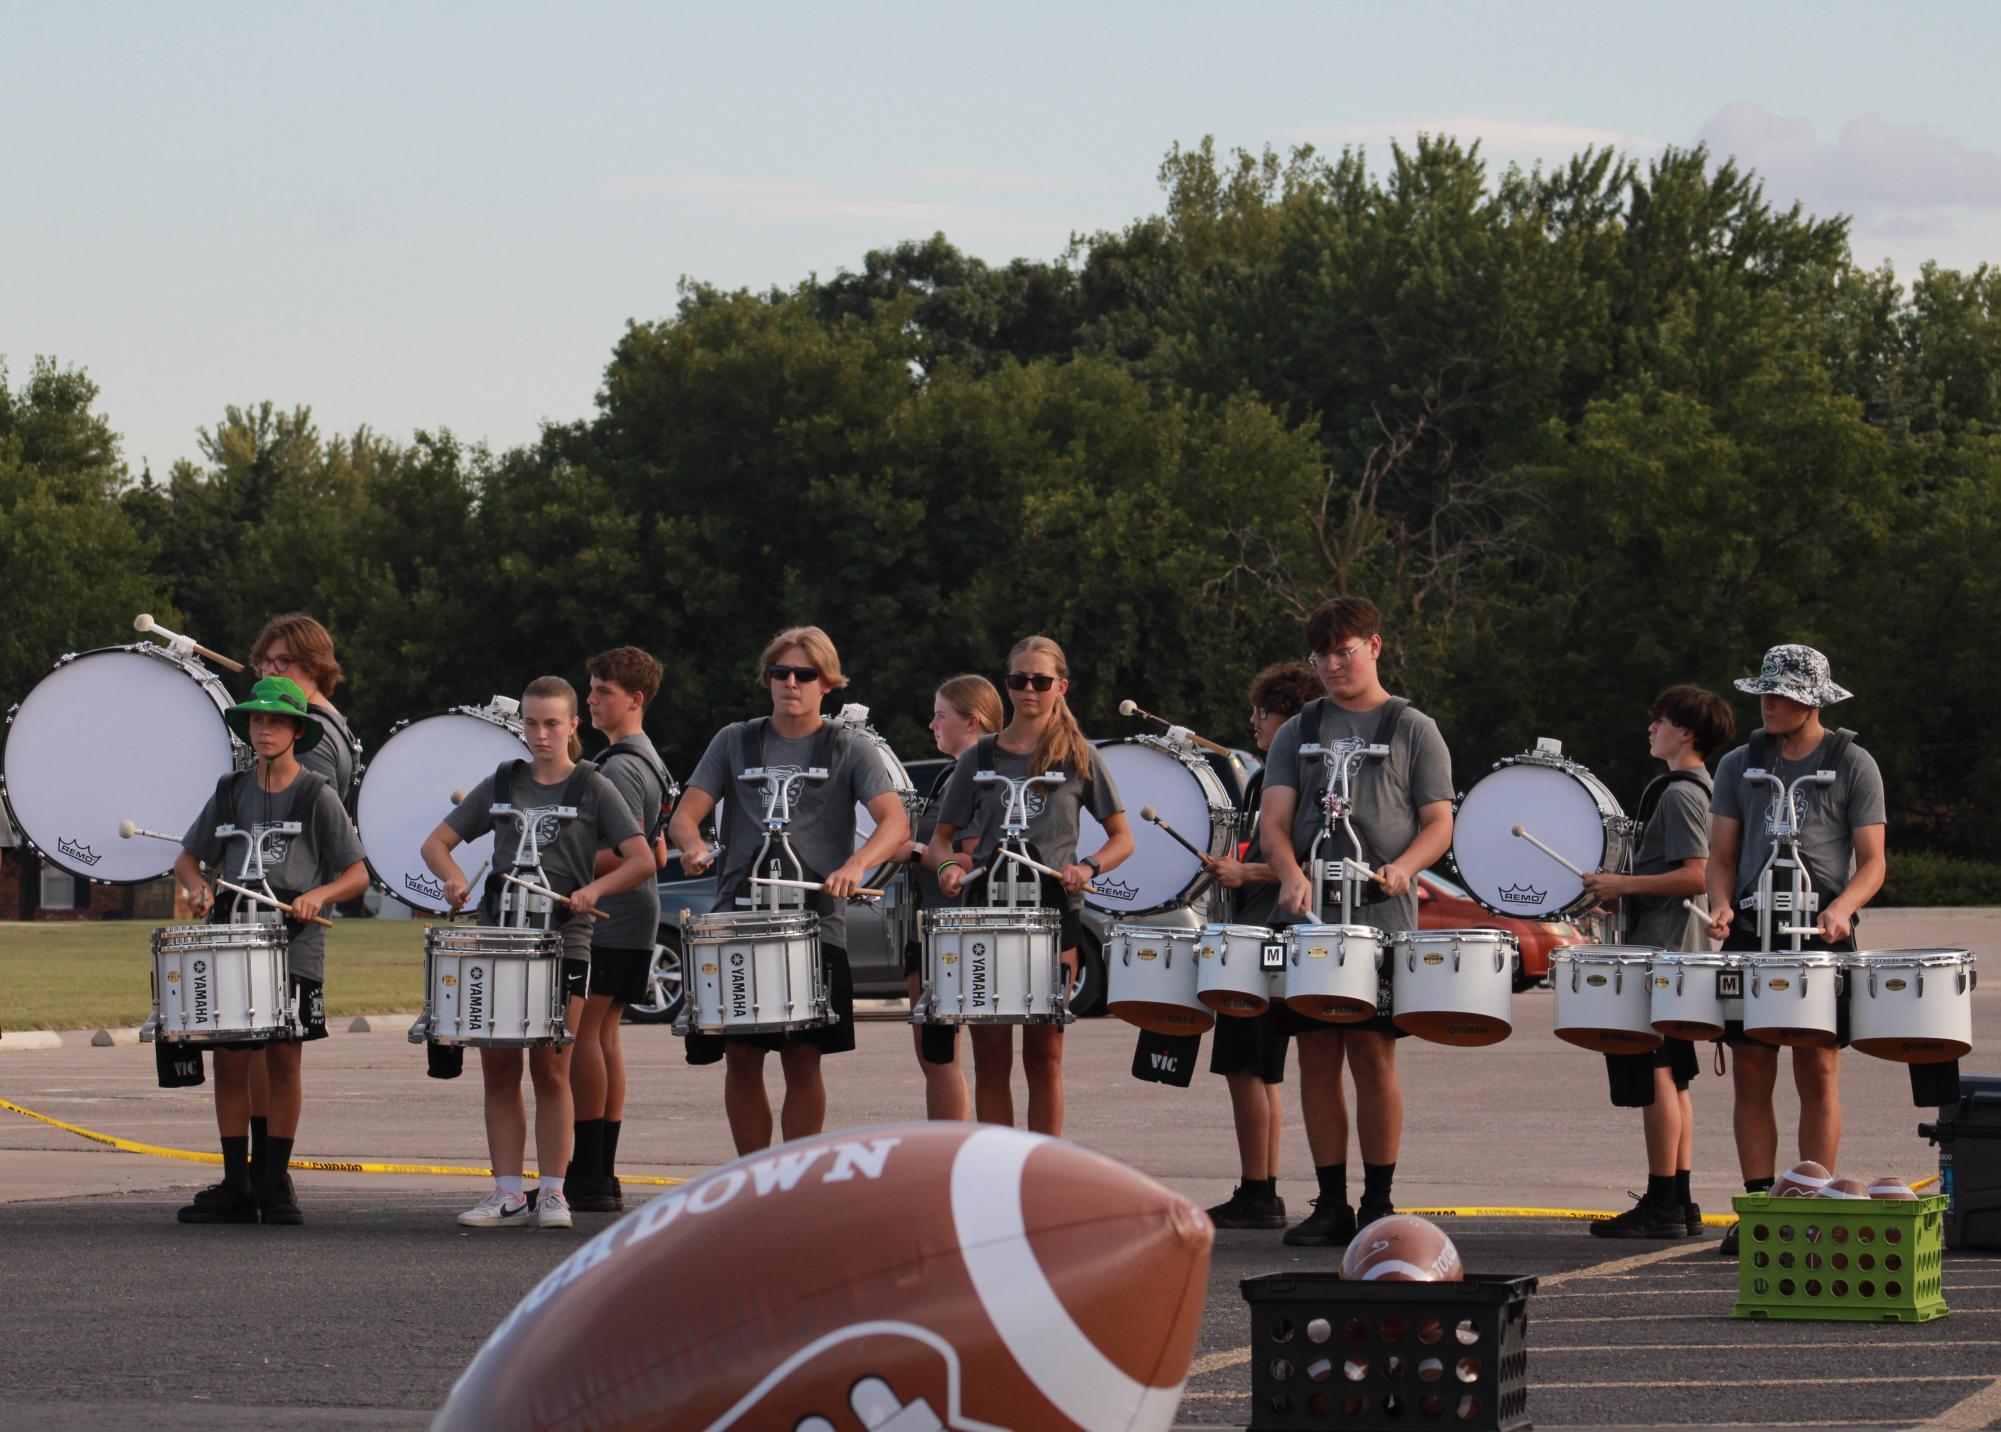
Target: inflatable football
(917, 1275)
(1803, 1180)
(1402, 1248)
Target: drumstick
(1038, 865)
(1523, 833)
(544, 890)
(461, 909)
(1694, 909)
(809, 885)
(1362, 870)
(1128, 708)
(263, 899)
(1149, 813)
(144, 622)
(127, 829)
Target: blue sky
(442, 215)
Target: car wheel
(1087, 990)
(664, 989)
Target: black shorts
(310, 1011)
(1255, 1045)
(575, 975)
(1745, 941)
(1632, 1075)
(835, 1038)
(620, 974)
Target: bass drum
(122, 733)
(1562, 805)
(856, 720)
(407, 789)
(1185, 792)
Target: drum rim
(512, 725)
(753, 922)
(1358, 930)
(1939, 958)
(1126, 927)
(1699, 958)
(261, 935)
(1604, 954)
(1249, 931)
(1812, 959)
(968, 917)
(1421, 937)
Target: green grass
(92, 974)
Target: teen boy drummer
(312, 869)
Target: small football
(1402, 1248)
(1843, 1188)
(1890, 1186)
(1802, 1180)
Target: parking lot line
(1974, 1411)
(1679, 1383)
(1541, 1348)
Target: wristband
(950, 862)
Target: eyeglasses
(804, 675)
(1337, 658)
(1022, 680)
(1258, 713)
(269, 662)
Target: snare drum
(1454, 986)
(1332, 971)
(1685, 992)
(1231, 977)
(1150, 978)
(1602, 998)
(1911, 1006)
(1792, 997)
(754, 971)
(993, 964)
(1187, 793)
(216, 984)
(494, 986)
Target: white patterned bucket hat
(1798, 673)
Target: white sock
(510, 1184)
(552, 1188)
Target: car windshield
(1446, 887)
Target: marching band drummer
(551, 781)
(313, 869)
(1402, 809)
(963, 709)
(800, 668)
(1250, 1053)
(1841, 844)
(1042, 736)
(1689, 725)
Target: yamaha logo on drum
(77, 852)
(475, 998)
(978, 966)
(1523, 895)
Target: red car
(1442, 905)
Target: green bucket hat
(277, 696)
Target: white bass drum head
(407, 789)
(1506, 873)
(110, 736)
(1159, 872)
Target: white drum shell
(1151, 974)
(1792, 997)
(994, 964)
(1187, 794)
(218, 983)
(1331, 971)
(1603, 998)
(754, 972)
(406, 790)
(495, 987)
(1454, 986)
(1231, 977)
(1682, 1001)
(1911, 1006)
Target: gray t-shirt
(929, 896)
(568, 847)
(978, 810)
(332, 755)
(1827, 814)
(822, 833)
(320, 852)
(641, 779)
(1387, 793)
(1677, 831)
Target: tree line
(1582, 432)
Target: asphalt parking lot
(363, 1317)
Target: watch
(1096, 869)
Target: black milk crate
(1327, 1353)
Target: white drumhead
(899, 780)
(407, 789)
(1506, 873)
(1159, 871)
(115, 735)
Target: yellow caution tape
(129, 1146)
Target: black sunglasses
(805, 674)
(1022, 680)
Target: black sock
(587, 1152)
(1261, 1187)
(236, 1161)
(1376, 1183)
(611, 1128)
(1333, 1181)
(260, 1135)
(1681, 1193)
(1759, 1185)
(1660, 1191)
(278, 1157)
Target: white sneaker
(552, 1210)
(499, 1210)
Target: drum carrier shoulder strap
(1657, 789)
(1831, 750)
(573, 784)
(1317, 711)
(749, 744)
(670, 794)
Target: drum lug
(1921, 984)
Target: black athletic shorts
(835, 1038)
(575, 973)
(1743, 941)
(1255, 1045)
(620, 974)
(1632, 1075)
(310, 1009)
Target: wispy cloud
(1898, 179)
(988, 178)
(1543, 139)
(795, 199)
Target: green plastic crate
(1840, 1259)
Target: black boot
(585, 1185)
(231, 1201)
(275, 1197)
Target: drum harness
(1342, 760)
(1799, 898)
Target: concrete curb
(115, 1038)
(24, 1040)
